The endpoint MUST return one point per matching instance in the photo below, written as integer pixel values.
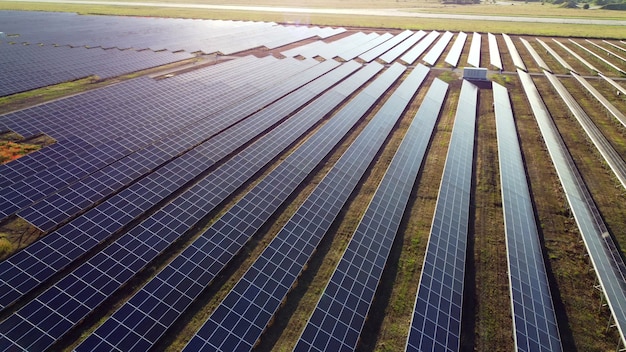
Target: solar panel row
(112, 267)
(342, 309)
(123, 32)
(605, 257)
(608, 152)
(614, 45)
(598, 57)
(494, 52)
(360, 49)
(33, 265)
(607, 51)
(212, 251)
(574, 54)
(534, 319)
(474, 51)
(614, 84)
(517, 59)
(604, 101)
(554, 54)
(542, 64)
(410, 56)
(335, 48)
(241, 317)
(115, 162)
(436, 321)
(78, 196)
(399, 49)
(457, 48)
(372, 54)
(433, 55)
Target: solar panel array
(605, 256)
(614, 45)
(598, 57)
(420, 48)
(433, 55)
(474, 51)
(534, 319)
(26, 67)
(373, 53)
(399, 49)
(615, 112)
(542, 64)
(517, 59)
(554, 54)
(112, 267)
(607, 51)
(457, 48)
(124, 32)
(246, 311)
(340, 314)
(494, 52)
(216, 246)
(357, 50)
(608, 152)
(22, 273)
(436, 321)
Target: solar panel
(609, 52)
(336, 48)
(534, 318)
(605, 257)
(116, 264)
(436, 322)
(457, 48)
(433, 55)
(614, 45)
(574, 54)
(615, 85)
(372, 54)
(360, 49)
(494, 52)
(209, 254)
(605, 102)
(399, 49)
(542, 64)
(474, 51)
(607, 62)
(558, 57)
(20, 275)
(242, 316)
(420, 48)
(608, 152)
(340, 314)
(517, 59)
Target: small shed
(475, 73)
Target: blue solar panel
(474, 51)
(436, 323)
(116, 264)
(534, 319)
(242, 316)
(372, 54)
(342, 310)
(457, 48)
(604, 254)
(399, 49)
(420, 48)
(494, 52)
(208, 255)
(433, 55)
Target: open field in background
(582, 320)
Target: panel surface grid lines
(338, 318)
(556, 55)
(420, 48)
(436, 321)
(608, 152)
(24, 271)
(517, 59)
(433, 55)
(116, 264)
(535, 55)
(399, 49)
(604, 101)
(215, 247)
(474, 52)
(605, 257)
(372, 54)
(534, 318)
(457, 48)
(242, 316)
(578, 57)
(494, 51)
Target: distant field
(517, 10)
